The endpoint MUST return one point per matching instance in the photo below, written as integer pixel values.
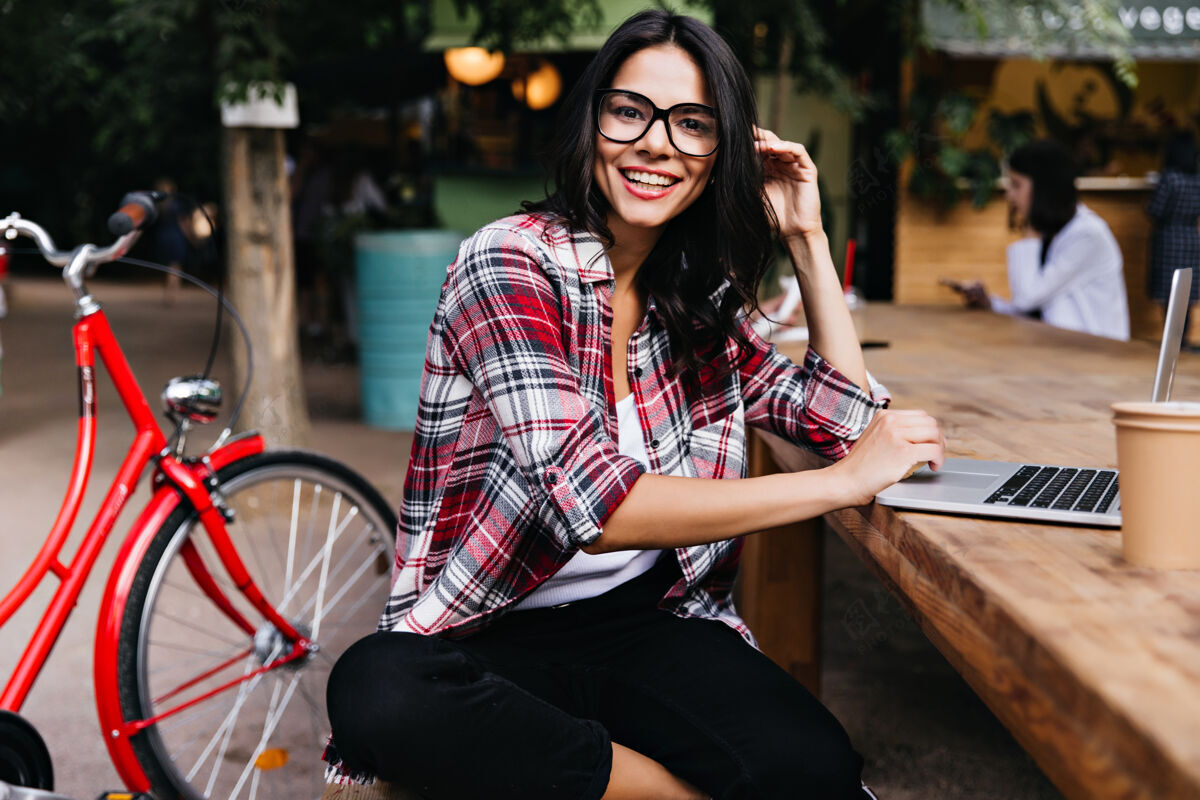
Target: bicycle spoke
(185, 649)
(358, 604)
(291, 554)
(317, 559)
(254, 784)
(185, 589)
(350, 584)
(273, 540)
(221, 579)
(323, 566)
(323, 581)
(170, 723)
(250, 539)
(317, 709)
(342, 562)
(226, 725)
(159, 669)
(273, 717)
(311, 529)
(203, 676)
(193, 626)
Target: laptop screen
(1168, 352)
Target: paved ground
(922, 730)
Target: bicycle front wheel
(318, 540)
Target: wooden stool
(379, 790)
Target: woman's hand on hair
(791, 184)
(892, 444)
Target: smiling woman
(563, 593)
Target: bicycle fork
(196, 482)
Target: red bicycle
(240, 582)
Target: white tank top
(587, 575)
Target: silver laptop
(1080, 495)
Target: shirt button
(551, 478)
(654, 442)
(637, 372)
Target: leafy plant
(944, 169)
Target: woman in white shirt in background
(1068, 269)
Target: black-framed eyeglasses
(625, 117)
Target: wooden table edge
(1038, 700)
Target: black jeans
(528, 707)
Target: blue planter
(399, 275)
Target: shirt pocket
(716, 446)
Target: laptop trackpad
(953, 479)
(965, 481)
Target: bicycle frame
(177, 480)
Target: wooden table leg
(779, 591)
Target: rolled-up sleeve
(811, 404)
(504, 330)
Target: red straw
(848, 273)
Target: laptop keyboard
(1060, 488)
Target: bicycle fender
(166, 499)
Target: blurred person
(562, 595)
(311, 189)
(172, 235)
(1068, 269)
(206, 242)
(1174, 209)
(364, 195)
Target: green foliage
(1010, 131)
(1088, 24)
(944, 169)
(122, 92)
(831, 43)
(505, 23)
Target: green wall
(467, 202)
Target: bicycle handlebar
(13, 225)
(138, 209)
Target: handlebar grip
(137, 210)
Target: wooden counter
(1093, 664)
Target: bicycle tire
(172, 634)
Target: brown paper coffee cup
(1158, 454)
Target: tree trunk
(783, 81)
(262, 283)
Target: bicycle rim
(319, 545)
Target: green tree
(112, 93)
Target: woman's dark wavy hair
(725, 235)
(1052, 169)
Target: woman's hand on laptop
(893, 443)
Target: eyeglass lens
(626, 116)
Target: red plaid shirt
(514, 463)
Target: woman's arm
(1079, 255)
(830, 327)
(791, 186)
(663, 511)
